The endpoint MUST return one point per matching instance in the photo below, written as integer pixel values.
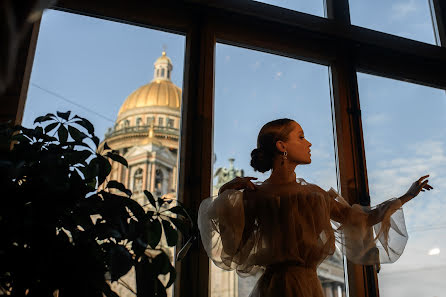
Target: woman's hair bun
(261, 161)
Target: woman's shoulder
(310, 186)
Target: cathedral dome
(159, 92)
(156, 93)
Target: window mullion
(438, 12)
(196, 148)
(349, 144)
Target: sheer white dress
(288, 231)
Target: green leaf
(179, 210)
(104, 168)
(135, 208)
(180, 224)
(105, 231)
(117, 185)
(20, 138)
(161, 201)
(39, 131)
(160, 289)
(162, 263)
(62, 132)
(172, 276)
(170, 233)
(118, 158)
(77, 143)
(76, 134)
(51, 126)
(64, 115)
(119, 260)
(95, 140)
(150, 198)
(84, 123)
(154, 232)
(47, 117)
(80, 156)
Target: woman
(287, 227)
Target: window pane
(105, 71)
(406, 18)
(251, 89)
(404, 139)
(307, 6)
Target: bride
(286, 227)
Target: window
(159, 182)
(396, 157)
(137, 181)
(160, 121)
(92, 73)
(254, 26)
(170, 123)
(408, 18)
(150, 120)
(251, 89)
(162, 72)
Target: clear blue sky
(97, 63)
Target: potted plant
(60, 234)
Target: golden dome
(160, 92)
(156, 93)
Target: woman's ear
(280, 145)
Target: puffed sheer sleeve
(221, 221)
(368, 235)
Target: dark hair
(262, 157)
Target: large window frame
(330, 41)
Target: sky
(89, 66)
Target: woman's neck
(283, 174)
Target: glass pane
(307, 6)
(251, 89)
(126, 80)
(406, 18)
(404, 139)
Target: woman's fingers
(251, 186)
(423, 177)
(248, 184)
(425, 186)
(245, 182)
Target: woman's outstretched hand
(239, 183)
(418, 186)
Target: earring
(284, 157)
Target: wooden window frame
(330, 41)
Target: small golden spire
(151, 133)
